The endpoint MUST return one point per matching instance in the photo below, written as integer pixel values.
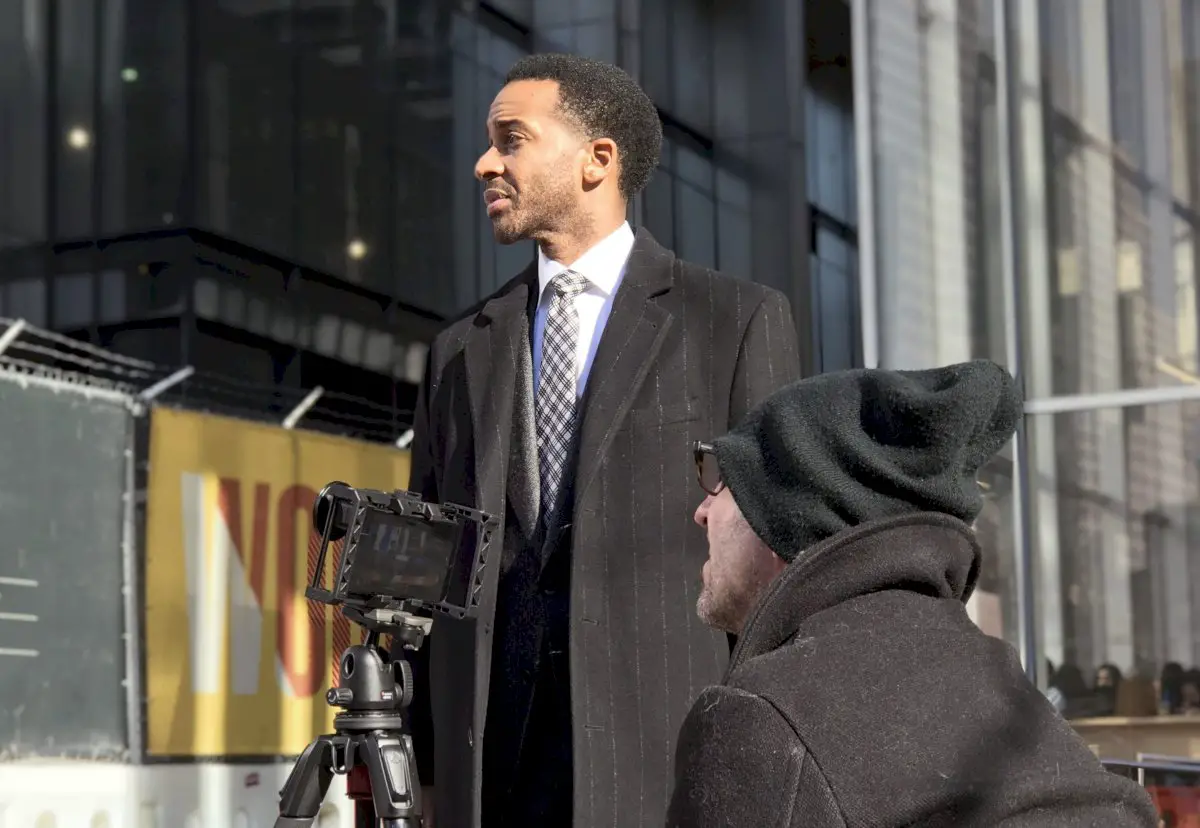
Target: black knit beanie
(840, 449)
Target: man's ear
(601, 162)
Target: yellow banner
(237, 660)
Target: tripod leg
(395, 789)
(364, 815)
(306, 785)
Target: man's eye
(513, 140)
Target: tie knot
(569, 284)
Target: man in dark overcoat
(564, 404)
(860, 693)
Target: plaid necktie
(556, 397)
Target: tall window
(832, 191)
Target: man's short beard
(509, 232)
(726, 613)
(552, 208)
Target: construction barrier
(64, 509)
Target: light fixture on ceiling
(79, 138)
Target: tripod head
(400, 557)
(370, 686)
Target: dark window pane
(23, 140)
(143, 140)
(76, 145)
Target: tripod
(371, 742)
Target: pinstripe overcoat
(685, 353)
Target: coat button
(470, 737)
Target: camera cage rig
(372, 743)
(354, 507)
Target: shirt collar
(601, 265)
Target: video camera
(400, 557)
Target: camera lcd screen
(403, 558)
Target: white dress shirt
(603, 266)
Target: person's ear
(601, 162)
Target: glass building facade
(1029, 186)
(341, 135)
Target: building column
(1164, 460)
(1101, 535)
(948, 205)
(1028, 299)
(917, 182)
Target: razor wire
(28, 351)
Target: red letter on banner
(307, 680)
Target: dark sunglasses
(707, 469)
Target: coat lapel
(632, 338)
(500, 379)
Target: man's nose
(488, 166)
(701, 516)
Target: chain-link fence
(156, 548)
(62, 614)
